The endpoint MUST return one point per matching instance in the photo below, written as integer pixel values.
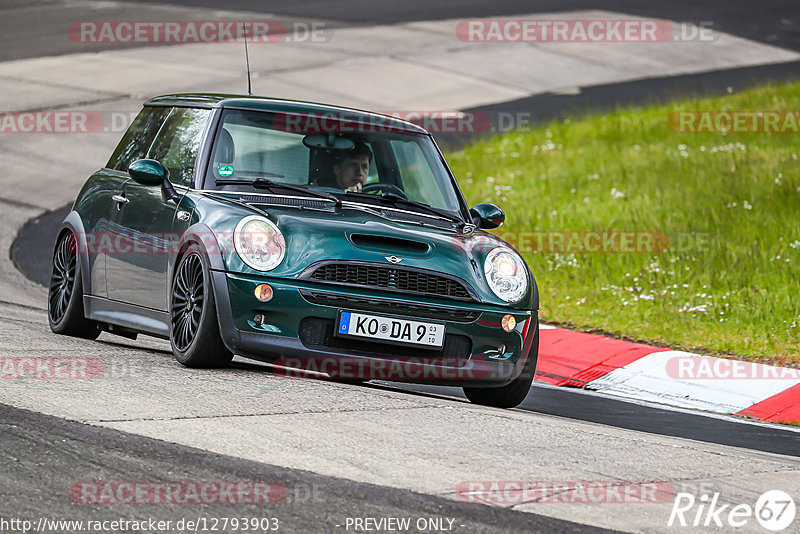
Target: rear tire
(513, 394)
(193, 328)
(65, 294)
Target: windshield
(355, 164)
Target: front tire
(194, 330)
(511, 395)
(65, 294)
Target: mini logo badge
(393, 259)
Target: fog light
(509, 323)
(263, 292)
(259, 319)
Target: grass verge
(720, 211)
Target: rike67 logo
(774, 510)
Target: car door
(108, 183)
(136, 270)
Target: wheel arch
(201, 235)
(73, 223)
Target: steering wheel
(369, 188)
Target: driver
(352, 167)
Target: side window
(138, 138)
(178, 142)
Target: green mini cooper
(322, 239)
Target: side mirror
(487, 216)
(151, 173)
(148, 172)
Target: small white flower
(747, 205)
(615, 193)
(699, 308)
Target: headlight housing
(506, 274)
(259, 243)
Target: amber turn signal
(263, 292)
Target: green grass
(737, 293)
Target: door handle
(120, 199)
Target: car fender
(530, 349)
(74, 223)
(202, 235)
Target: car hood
(370, 234)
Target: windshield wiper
(264, 183)
(394, 198)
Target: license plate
(392, 330)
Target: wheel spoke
(187, 339)
(179, 332)
(195, 322)
(62, 303)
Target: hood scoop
(390, 245)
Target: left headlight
(506, 274)
(259, 243)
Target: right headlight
(259, 243)
(506, 274)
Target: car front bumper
(295, 330)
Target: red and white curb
(675, 378)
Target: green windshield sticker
(226, 170)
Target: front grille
(317, 333)
(391, 279)
(381, 305)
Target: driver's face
(351, 171)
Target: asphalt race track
(311, 502)
(339, 451)
(33, 259)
